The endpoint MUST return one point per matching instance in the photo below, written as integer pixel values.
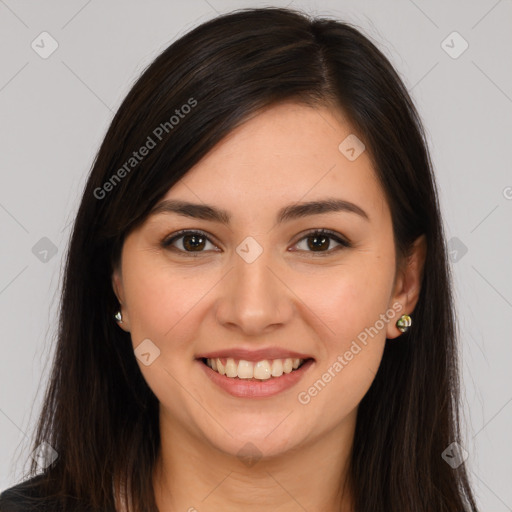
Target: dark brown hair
(99, 414)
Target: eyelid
(168, 240)
(333, 235)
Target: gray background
(55, 111)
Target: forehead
(286, 153)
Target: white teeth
(231, 368)
(245, 370)
(277, 368)
(261, 370)
(220, 367)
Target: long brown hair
(99, 414)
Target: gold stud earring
(118, 317)
(403, 323)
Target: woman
(256, 308)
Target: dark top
(26, 497)
(17, 498)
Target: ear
(117, 286)
(408, 283)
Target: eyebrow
(288, 213)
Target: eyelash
(166, 243)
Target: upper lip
(255, 355)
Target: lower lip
(247, 388)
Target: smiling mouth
(241, 369)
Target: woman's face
(263, 283)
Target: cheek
(162, 307)
(352, 304)
(350, 298)
(161, 300)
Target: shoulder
(25, 497)
(28, 497)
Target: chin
(256, 440)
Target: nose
(254, 298)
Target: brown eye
(319, 241)
(190, 241)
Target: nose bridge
(254, 298)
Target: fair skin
(292, 296)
